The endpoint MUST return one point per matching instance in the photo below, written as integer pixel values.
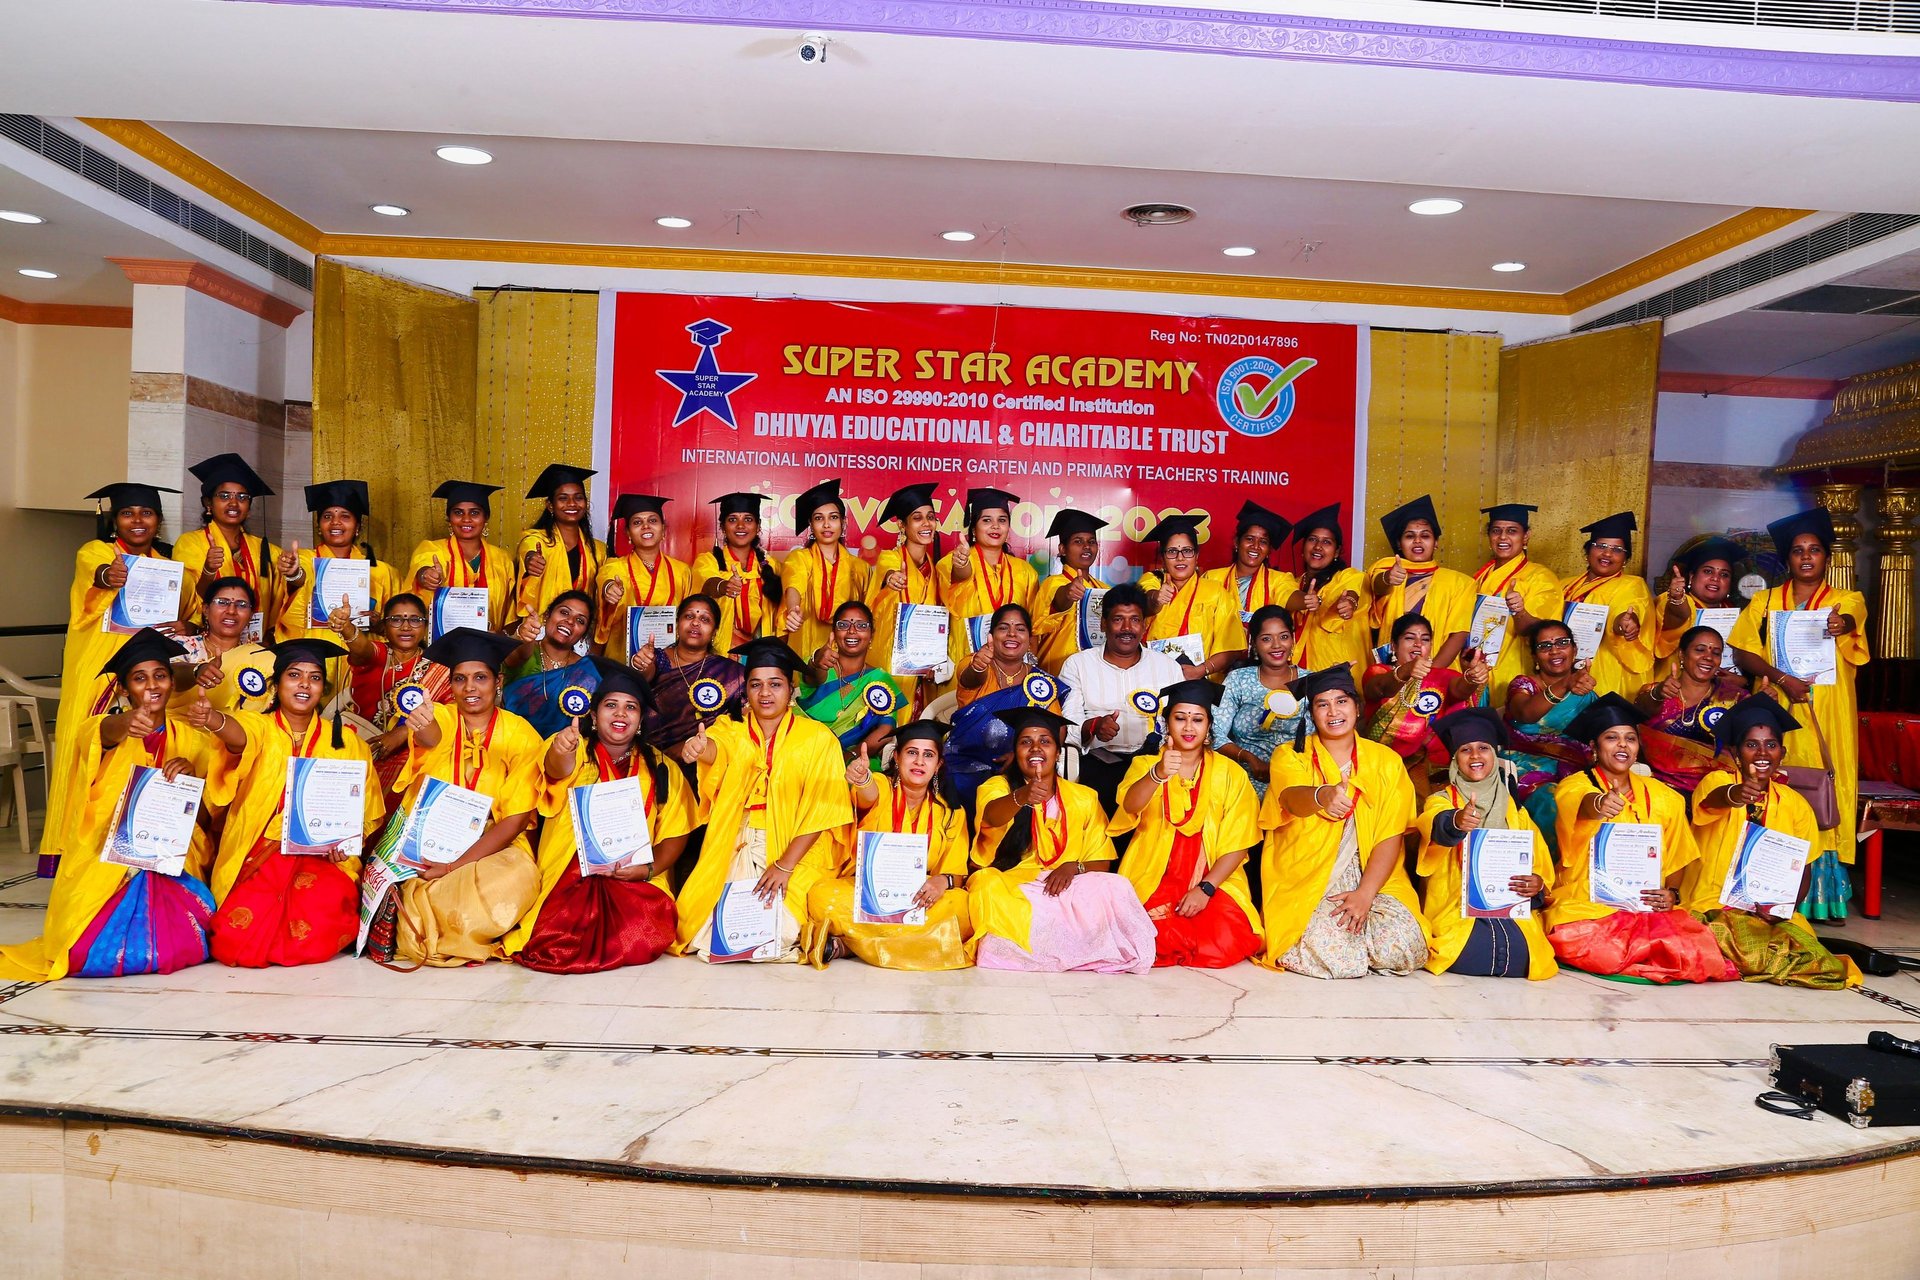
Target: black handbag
(1867, 1087)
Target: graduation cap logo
(707, 695)
(408, 698)
(879, 699)
(1256, 396)
(703, 388)
(574, 700)
(251, 681)
(1040, 690)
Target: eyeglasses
(852, 624)
(1180, 553)
(405, 620)
(1610, 548)
(228, 602)
(1564, 642)
(238, 495)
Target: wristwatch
(1208, 887)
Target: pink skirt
(1096, 926)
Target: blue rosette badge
(707, 695)
(1040, 689)
(574, 700)
(408, 698)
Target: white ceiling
(75, 241)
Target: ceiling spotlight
(38, 274)
(1435, 206)
(1509, 266)
(1240, 251)
(463, 155)
(14, 215)
(391, 210)
(677, 224)
(958, 237)
(1157, 215)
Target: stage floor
(1179, 1084)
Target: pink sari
(1096, 926)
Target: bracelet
(1316, 796)
(1154, 773)
(1552, 697)
(782, 868)
(222, 724)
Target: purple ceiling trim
(1123, 26)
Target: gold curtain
(1576, 435)
(533, 394)
(393, 393)
(1432, 414)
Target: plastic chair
(23, 744)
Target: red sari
(1218, 937)
(286, 910)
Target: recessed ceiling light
(391, 210)
(38, 274)
(1435, 206)
(676, 224)
(1240, 251)
(14, 215)
(1509, 266)
(463, 155)
(958, 237)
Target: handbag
(1817, 789)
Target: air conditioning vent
(67, 151)
(1829, 15)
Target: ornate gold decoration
(144, 140)
(1875, 419)
(1698, 247)
(1898, 510)
(1842, 502)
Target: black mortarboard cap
(618, 677)
(304, 649)
(920, 730)
(633, 504)
(905, 502)
(1018, 718)
(130, 493)
(465, 644)
(1339, 676)
(1816, 522)
(1471, 724)
(1071, 520)
(824, 494)
(770, 651)
(351, 494)
(555, 475)
(979, 500)
(1199, 693)
(1276, 525)
(1514, 511)
(1621, 525)
(1395, 522)
(738, 503)
(1606, 711)
(222, 467)
(144, 645)
(1736, 720)
(1176, 524)
(459, 491)
(1327, 517)
(1714, 548)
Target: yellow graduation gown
(1011, 583)
(943, 941)
(1837, 705)
(83, 885)
(1653, 801)
(923, 587)
(1718, 832)
(804, 787)
(1226, 815)
(1539, 587)
(752, 613)
(668, 583)
(84, 692)
(251, 784)
(1266, 586)
(268, 586)
(1298, 856)
(822, 588)
(1325, 639)
(1056, 634)
(246, 681)
(535, 594)
(1448, 605)
(1622, 665)
(993, 896)
(296, 616)
(1441, 868)
(1201, 608)
(495, 573)
(670, 814)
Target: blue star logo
(704, 388)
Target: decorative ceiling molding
(1254, 35)
(1734, 384)
(65, 313)
(201, 278)
(149, 143)
(1736, 231)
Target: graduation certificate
(445, 822)
(649, 625)
(920, 639)
(610, 826)
(1626, 863)
(152, 827)
(1801, 646)
(150, 597)
(1493, 859)
(1487, 631)
(1720, 620)
(337, 580)
(1765, 871)
(456, 607)
(1588, 622)
(889, 868)
(744, 928)
(1087, 617)
(324, 810)
(1189, 648)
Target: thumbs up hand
(1467, 817)
(859, 769)
(289, 562)
(216, 559)
(1677, 586)
(200, 713)
(1398, 574)
(695, 749)
(568, 739)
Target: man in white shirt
(1113, 693)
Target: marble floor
(1233, 1082)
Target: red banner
(1129, 416)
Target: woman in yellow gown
(1479, 797)
(739, 574)
(1195, 820)
(816, 579)
(129, 527)
(339, 509)
(977, 579)
(559, 552)
(914, 800)
(1530, 590)
(222, 548)
(903, 575)
(1184, 603)
(1766, 941)
(645, 577)
(464, 558)
(1625, 654)
(1412, 580)
(1257, 534)
(773, 789)
(1058, 630)
(1042, 900)
(1805, 542)
(1331, 611)
(1701, 578)
(278, 907)
(106, 919)
(233, 672)
(1337, 901)
(619, 915)
(460, 912)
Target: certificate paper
(456, 607)
(1801, 646)
(445, 822)
(610, 826)
(920, 639)
(979, 631)
(334, 579)
(1487, 632)
(1766, 870)
(325, 807)
(1188, 648)
(889, 868)
(1588, 622)
(744, 928)
(1088, 615)
(1720, 620)
(1626, 863)
(1493, 859)
(649, 625)
(150, 598)
(153, 822)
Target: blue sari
(978, 744)
(537, 697)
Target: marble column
(1899, 510)
(1842, 502)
